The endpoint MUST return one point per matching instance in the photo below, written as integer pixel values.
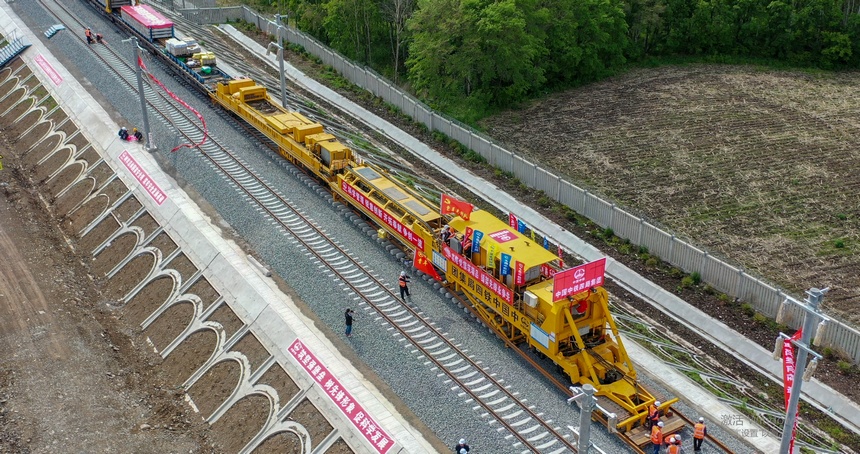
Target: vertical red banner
(520, 273)
(788, 368)
(560, 257)
(513, 221)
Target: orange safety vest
(673, 449)
(88, 33)
(699, 431)
(656, 435)
(403, 281)
(653, 413)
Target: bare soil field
(70, 379)
(758, 166)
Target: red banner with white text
(422, 264)
(788, 368)
(583, 277)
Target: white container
(176, 47)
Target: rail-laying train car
(576, 331)
(573, 328)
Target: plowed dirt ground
(757, 166)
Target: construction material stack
(147, 22)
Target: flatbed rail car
(199, 68)
(577, 333)
(304, 143)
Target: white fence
(721, 275)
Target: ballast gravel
(420, 387)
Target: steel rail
(251, 184)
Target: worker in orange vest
(653, 413)
(404, 287)
(657, 436)
(700, 431)
(89, 35)
(674, 445)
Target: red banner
(184, 104)
(482, 277)
(503, 236)
(422, 264)
(560, 257)
(393, 224)
(788, 368)
(583, 277)
(520, 273)
(142, 177)
(332, 387)
(458, 207)
(513, 221)
(547, 270)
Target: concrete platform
(272, 316)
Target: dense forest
(468, 57)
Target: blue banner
(477, 236)
(521, 226)
(506, 265)
(545, 243)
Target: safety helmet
(403, 273)
(677, 439)
(133, 129)
(462, 441)
(701, 419)
(123, 129)
(446, 227)
(659, 423)
(463, 451)
(671, 440)
(657, 403)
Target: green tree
(396, 13)
(309, 16)
(509, 69)
(438, 64)
(584, 39)
(644, 25)
(356, 29)
(474, 52)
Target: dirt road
(71, 379)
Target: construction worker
(446, 234)
(657, 436)
(461, 447)
(653, 413)
(700, 431)
(137, 134)
(89, 34)
(123, 133)
(467, 246)
(675, 445)
(348, 316)
(404, 287)
(99, 38)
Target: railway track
(527, 430)
(370, 149)
(299, 103)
